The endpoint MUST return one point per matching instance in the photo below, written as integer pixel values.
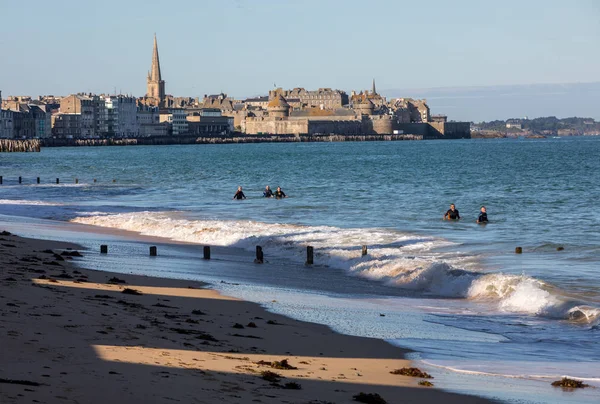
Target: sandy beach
(71, 335)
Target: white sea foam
(399, 259)
(28, 202)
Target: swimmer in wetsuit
(279, 193)
(452, 213)
(239, 194)
(482, 216)
(267, 192)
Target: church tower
(156, 85)
(374, 90)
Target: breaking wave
(419, 263)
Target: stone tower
(373, 91)
(156, 85)
(278, 107)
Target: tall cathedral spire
(155, 72)
(156, 85)
(374, 91)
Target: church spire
(374, 91)
(156, 85)
(155, 71)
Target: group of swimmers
(267, 193)
(452, 214)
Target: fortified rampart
(436, 130)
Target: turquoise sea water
(523, 318)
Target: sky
(245, 48)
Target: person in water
(239, 194)
(452, 213)
(267, 192)
(279, 193)
(482, 216)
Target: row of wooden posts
(39, 180)
(259, 253)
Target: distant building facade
(121, 116)
(176, 118)
(6, 122)
(148, 118)
(65, 125)
(209, 121)
(92, 108)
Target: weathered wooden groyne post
(19, 145)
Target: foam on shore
(408, 261)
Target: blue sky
(244, 47)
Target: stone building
(282, 120)
(220, 101)
(409, 110)
(6, 122)
(65, 125)
(92, 108)
(278, 107)
(257, 102)
(155, 84)
(148, 118)
(323, 98)
(376, 99)
(99, 116)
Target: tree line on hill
(545, 126)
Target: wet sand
(70, 335)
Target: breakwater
(18, 145)
(170, 140)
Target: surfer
(482, 216)
(279, 193)
(239, 194)
(452, 213)
(267, 192)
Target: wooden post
(309, 255)
(364, 250)
(57, 181)
(519, 250)
(38, 180)
(206, 252)
(20, 180)
(259, 255)
(103, 249)
(153, 252)
(76, 180)
(0, 180)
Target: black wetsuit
(268, 194)
(482, 217)
(452, 214)
(279, 194)
(239, 195)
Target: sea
(480, 317)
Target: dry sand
(69, 335)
